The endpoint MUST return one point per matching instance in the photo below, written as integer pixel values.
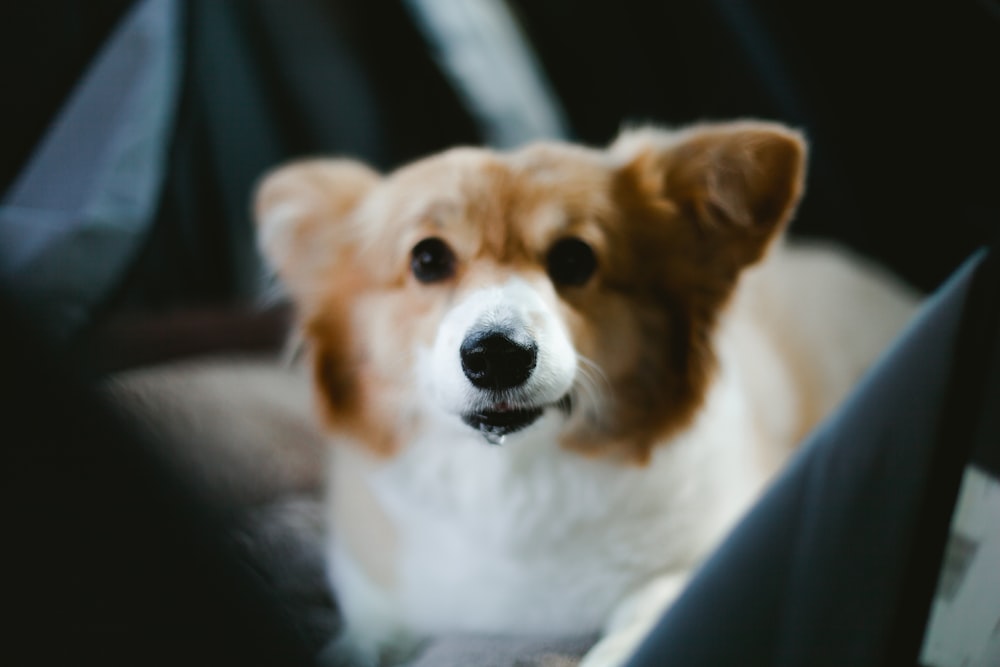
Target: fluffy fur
(663, 389)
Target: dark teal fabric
(837, 563)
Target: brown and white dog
(549, 384)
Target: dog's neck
(533, 501)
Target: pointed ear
(300, 209)
(737, 182)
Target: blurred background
(136, 129)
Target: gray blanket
(242, 431)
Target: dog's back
(806, 324)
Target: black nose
(492, 359)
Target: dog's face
(493, 289)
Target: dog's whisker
(592, 366)
(587, 384)
(591, 382)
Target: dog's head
(495, 288)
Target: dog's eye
(432, 260)
(571, 262)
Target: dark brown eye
(432, 260)
(571, 262)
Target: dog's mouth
(502, 418)
(497, 423)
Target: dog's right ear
(301, 210)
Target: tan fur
(673, 220)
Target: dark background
(898, 100)
(109, 555)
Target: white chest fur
(455, 534)
(527, 537)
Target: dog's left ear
(738, 182)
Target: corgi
(552, 378)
